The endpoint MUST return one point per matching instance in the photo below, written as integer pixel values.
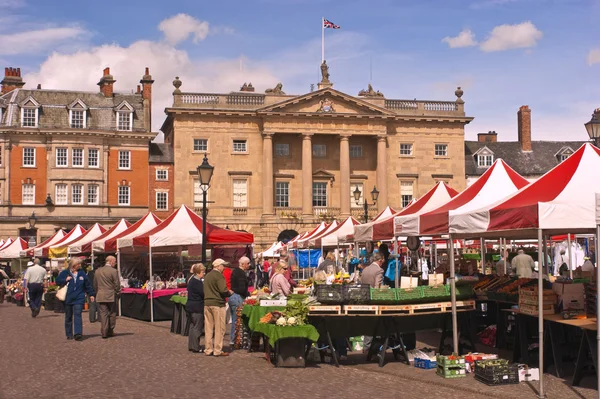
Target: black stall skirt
(137, 306)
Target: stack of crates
(452, 366)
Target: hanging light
(374, 194)
(205, 172)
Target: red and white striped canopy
(308, 242)
(562, 200)
(295, 242)
(499, 181)
(333, 237)
(14, 249)
(6, 243)
(77, 245)
(59, 235)
(98, 243)
(386, 213)
(143, 225)
(184, 228)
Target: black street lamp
(205, 172)
(32, 220)
(593, 127)
(374, 195)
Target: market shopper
(93, 312)
(107, 287)
(34, 283)
(279, 283)
(239, 286)
(215, 292)
(373, 274)
(195, 306)
(77, 286)
(523, 264)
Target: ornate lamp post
(32, 220)
(205, 172)
(374, 195)
(593, 127)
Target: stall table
(180, 320)
(135, 303)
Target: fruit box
(425, 363)
(450, 361)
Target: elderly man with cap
(215, 292)
(34, 282)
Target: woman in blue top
(77, 286)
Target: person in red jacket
(227, 274)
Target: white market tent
(76, 232)
(334, 237)
(79, 245)
(63, 249)
(6, 243)
(13, 250)
(295, 242)
(387, 212)
(38, 249)
(307, 242)
(143, 225)
(97, 245)
(272, 251)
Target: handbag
(61, 294)
(158, 283)
(172, 283)
(181, 283)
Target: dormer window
(484, 157)
(78, 115)
(124, 117)
(564, 153)
(29, 112)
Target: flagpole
(322, 39)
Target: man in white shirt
(34, 282)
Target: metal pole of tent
(596, 239)
(119, 273)
(482, 245)
(431, 254)
(541, 314)
(453, 294)
(397, 278)
(435, 255)
(546, 265)
(152, 286)
(569, 253)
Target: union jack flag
(329, 24)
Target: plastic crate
(357, 294)
(410, 295)
(425, 364)
(497, 372)
(329, 293)
(451, 372)
(383, 295)
(434, 294)
(463, 292)
(450, 361)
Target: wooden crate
(460, 305)
(395, 309)
(534, 311)
(361, 309)
(324, 310)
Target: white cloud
(466, 38)
(506, 37)
(35, 41)
(593, 57)
(181, 26)
(11, 3)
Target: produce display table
(254, 313)
(274, 333)
(552, 325)
(135, 303)
(179, 321)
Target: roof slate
(540, 160)
(161, 153)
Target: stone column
(307, 208)
(345, 176)
(267, 173)
(382, 172)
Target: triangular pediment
(323, 174)
(78, 104)
(124, 106)
(566, 150)
(483, 151)
(326, 101)
(29, 102)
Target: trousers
(36, 290)
(214, 329)
(108, 317)
(73, 322)
(94, 312)
(196, 326)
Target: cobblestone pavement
(146, 361)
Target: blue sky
(504, 53)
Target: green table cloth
(275, 332)
(253, 313)
(179, 299)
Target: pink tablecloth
(155, 293)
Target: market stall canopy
(386, 213)
(59, 235)
(98, 243)
(14, 249)
(309, 241)
(384, 229)
(184, 228)
(563, 200)
(499, 181)
(312, 233)
(142, 226)
(273, 250)
(76, 246)
(76, 232)
(291, 242)
(333, 237)
(6, 243)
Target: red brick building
(160, 179)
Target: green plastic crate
(451, 372)
(384, 295)
(411, 295)
(436, 294)
(445, 361)
(464, 292)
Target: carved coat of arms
(326, 105)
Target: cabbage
(291, 321)
(281, 321)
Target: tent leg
(546, 265)
(397, 279)
(570, 259)
(152, 287)
(119, 273)
(453, 294)
(597, 239)
(541, 314)
(482, 246)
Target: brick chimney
(147, 96)
(12, 80)
(106, 83)
(524, 126)
(489, 137)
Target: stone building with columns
(72, 157)
(286, 162)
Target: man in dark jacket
(94, 314)
(107, 287)
(239, 286)
(77, 286)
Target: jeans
(235, 301)
(36, 290)
(94, 312)
(73, 316)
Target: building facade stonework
(72, 156)
(286, 162)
